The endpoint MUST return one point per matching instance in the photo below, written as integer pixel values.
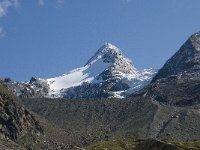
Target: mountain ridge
(107, 74)
(185, 60)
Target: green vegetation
(30, 141)
(148, 144)
(117, 145)
(5, 92)
(192, 145)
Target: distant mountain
(34, 88)
(107, 74)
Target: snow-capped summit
(111, 54)
(107, 74)
(107, 50)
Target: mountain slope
(16, 123)
(185, 60)
(15, 120)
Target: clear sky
(46, 38)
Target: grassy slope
(148, 144)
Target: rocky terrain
(186, 60)
(20, 129)
(33, 88)
(166, 109)
(16, 121)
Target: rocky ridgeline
(34, 88)
(178, 81)
(185, 61)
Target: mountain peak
(108, 52)
(112, 56)
(109, 47)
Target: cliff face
(15, 120)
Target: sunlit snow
(77, 77)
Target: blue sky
(46, 38)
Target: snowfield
(76, 77)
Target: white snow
(111, 46)
(118, 94)
(77, 77)
(135, 82)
